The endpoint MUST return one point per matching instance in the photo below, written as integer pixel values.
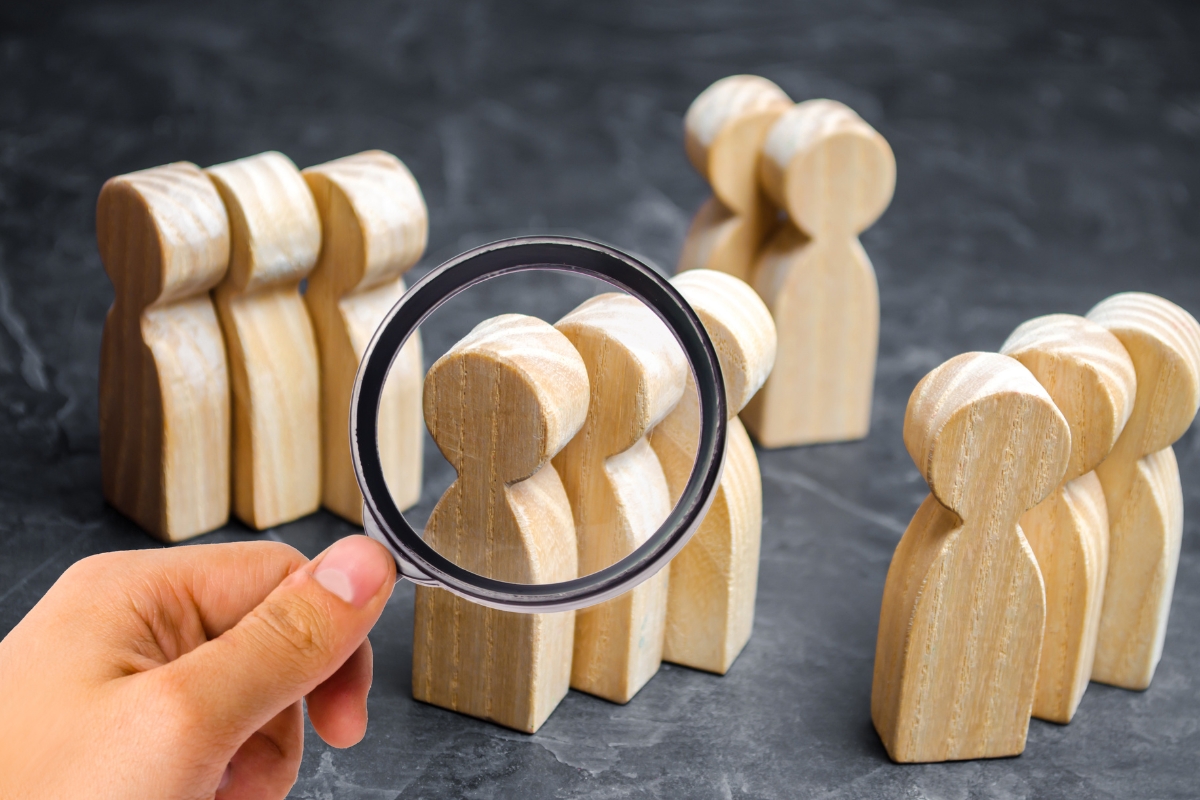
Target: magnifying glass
(383, 521)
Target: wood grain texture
(275, 235)
(960, 631)
(724, 131)
(374, 226)
(618, 492)
(500, 404)
(834, 175)
(164, 388)
(713, 581)
(1091, 379)
(1142, 486)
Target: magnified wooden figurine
(164, 386)
(499, 405)
(724, 131)
(374, 227)
(1091, 379)
(960, 631)
(1142, 486)
(834, 175)
(714, 579)
(618, 492)
(276, 236)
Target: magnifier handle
(404, 568)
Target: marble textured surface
(1047, 158)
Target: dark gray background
(1047, 157)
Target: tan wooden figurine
(960, 631)
(500, 404)
(834, 175)
(714, 579)
(164, 388)
(1091, 379)
(724, 132)
(618, 492)
(373, 229)
(275, 238)
(1141, 484)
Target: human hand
(178, 673)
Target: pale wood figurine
(164, 388)
(714, 579)
(1142, 486)
(500, 404)
(374, 227)
(960, 631)
(724, 130)
(619, 495)
(275, 238)
(1091, 379)
(834, 175)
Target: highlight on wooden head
(275, 229)
(982, 430)
(1164, 342)
(1087, 373)
(170, 217)
(831, 170)
(723, 132)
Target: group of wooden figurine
(1044, 556)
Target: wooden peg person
(834, 175)
(500, 404)
(1091, 379)
(1141, 484)
(164, 387)
(714, 579)
(374, 227)
(960, 630)
(275, 238)
(619, 495)
(724, 130)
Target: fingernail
(226, 777)
(354, 569)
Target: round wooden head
(505, 399)
(986, 436)
(1164, 342)
(1089, 376)
(833, 172)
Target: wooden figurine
(164, 389)
(960, 630)
(275, 236)
(834, 175)
(724, 132)
(1141, 484)
(373, 229)
(1091, 379)
(713, 581)
(619, 495)
(500, 404)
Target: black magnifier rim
(507, 256)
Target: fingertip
(356, 570)
(338, 707)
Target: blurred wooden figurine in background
(834, 175)
(618, 492)
(713, 580)
(724, 132)
(1141, 484)
(500, 404)
(1091, 379)
(373, 229)
(275, 237)
(960, 631)
(164, 389)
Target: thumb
(289, 644)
